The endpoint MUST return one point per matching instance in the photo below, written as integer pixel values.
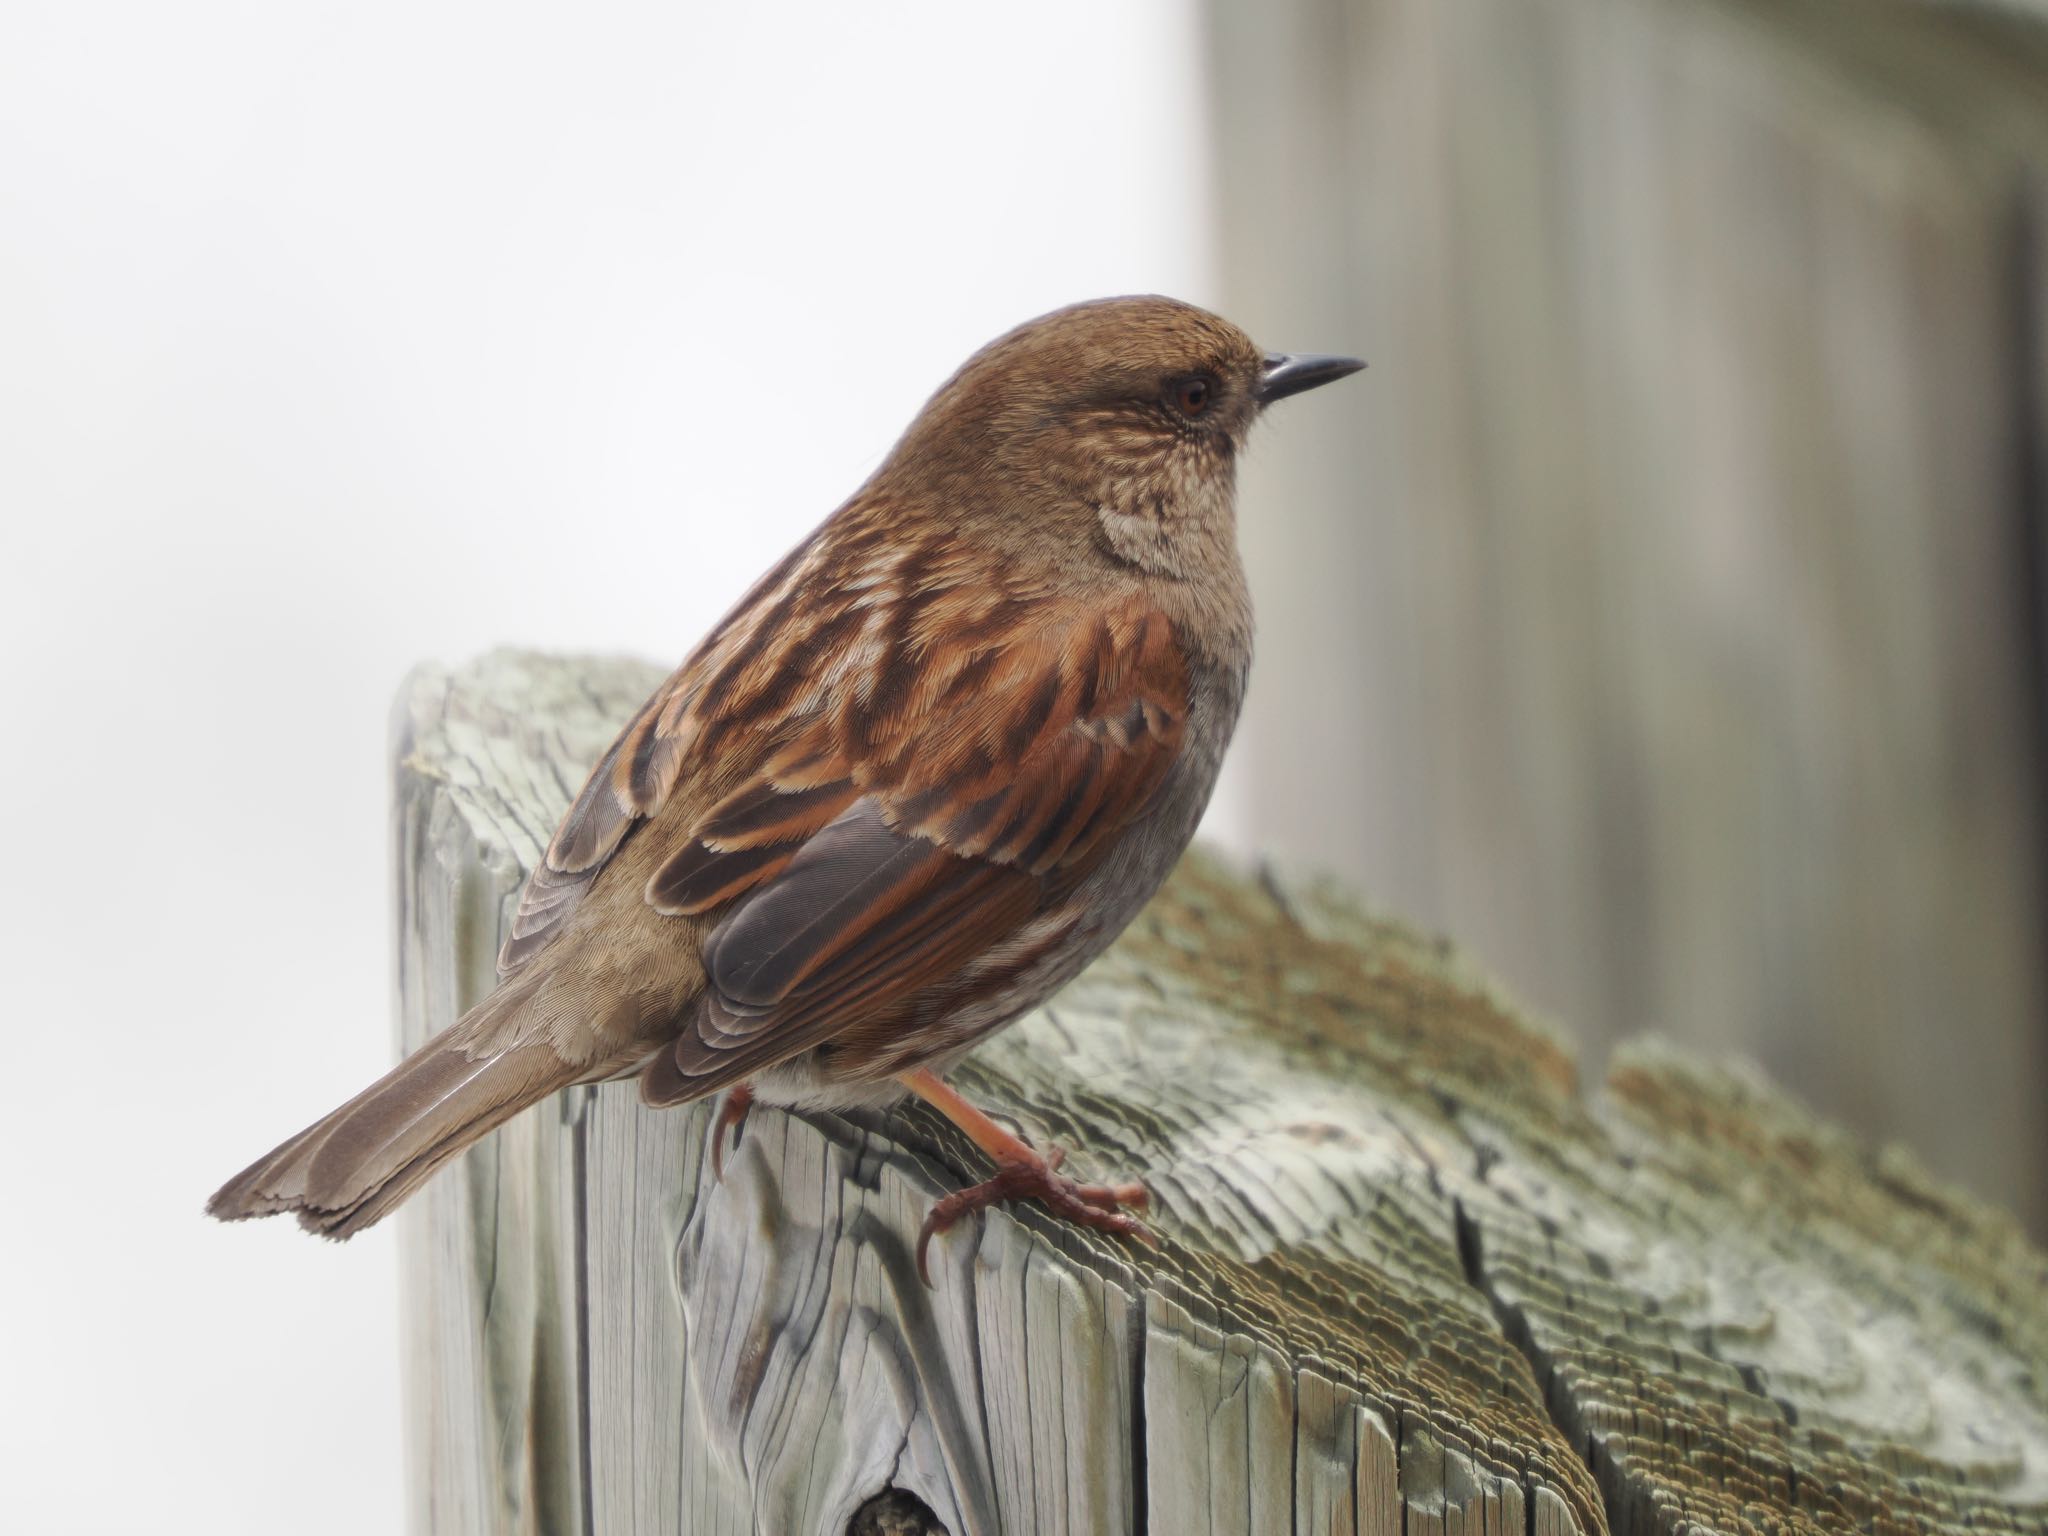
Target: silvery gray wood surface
(1408, 1280)
(1658, 612)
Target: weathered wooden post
(1408, 1280)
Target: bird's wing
(924, 826)
(637, 774)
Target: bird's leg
(733, 1105)
(1022, 1173)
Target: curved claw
(1088, 1205)
(733, 1106)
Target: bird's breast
(1119, 887)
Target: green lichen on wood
(1406, 1273)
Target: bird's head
(1121, 416)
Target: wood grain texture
(1669, 581)
(1409, 1279)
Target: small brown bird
(926, 771)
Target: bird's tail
(350, 1169)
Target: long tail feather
(348, 1170)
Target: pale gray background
(1659, 614)
(335, 337)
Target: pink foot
(1036, 1176)
(733, 1105)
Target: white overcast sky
(334, 337)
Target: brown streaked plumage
(924, 772)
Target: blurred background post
(1660, 615)
(1665, 623)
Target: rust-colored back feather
(926, 825)
(900, 792)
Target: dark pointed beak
(1289, 373)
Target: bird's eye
(1192, 395)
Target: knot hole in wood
(892, 1512)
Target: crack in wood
(1407, 1280)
